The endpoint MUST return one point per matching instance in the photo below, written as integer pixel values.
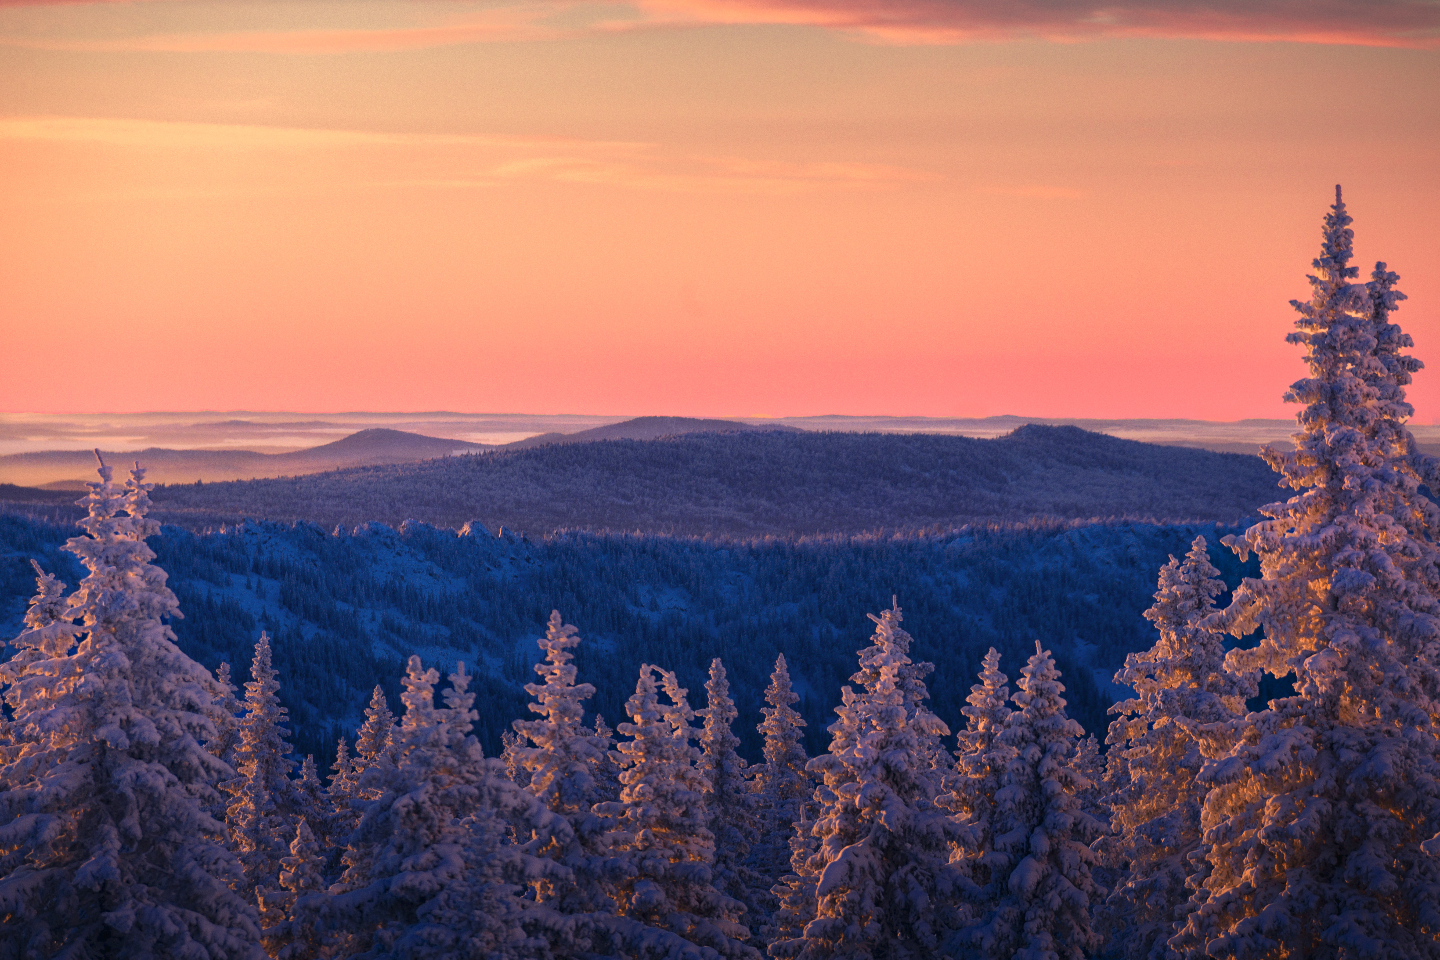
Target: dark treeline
(345, 610)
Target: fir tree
(1184, 706)
(729, 802)
(1315, 818)
(661, 844)
(1041, 832)
(105, 846)
(981, 763)
(227, 720)
(561, 767)
(430, 872)
(301, 873)
(781, 784)
(263, 800)
(883, 884)
(375, 740)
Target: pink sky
(700, 207)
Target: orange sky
(700, 207)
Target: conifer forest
(269, 740)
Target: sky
(701, 207)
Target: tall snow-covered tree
(729, 802)
(883, 883)
(980, 769)
(1314, 820)
(264, 802)
(781, 785)
(430, 872)
(48, 633)
(105, 846)
(301, 873)
(661, 844)
(563, 764)
(1183, 711)
(228, 714)
(1041, 833)
(375, 740)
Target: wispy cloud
(1409, 23)
(1397, 23)
(457, 161)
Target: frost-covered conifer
(662, 847)
(301, 873)
(1315, 818)
(48, 634)
(228, 713)
(729, 802)
(562, 766)
(342, 780)
(312, 803)
(1041, 832)
(264, 802)
(1184, 706)
(980, 769)
(883, 883)
(781, 785)
(375, 740)
(430, 872)
(105, 846)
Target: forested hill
(345, 610)
(761, 483)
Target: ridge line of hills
(370, 447)
(754, 483)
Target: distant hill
(372, 447)
(644, 428)
(763, 483)
(366, 448)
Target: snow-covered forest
(1266, 788)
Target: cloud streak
(1400, 23)
(454, 161)
(1394, 23)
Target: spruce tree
(562, 767)
(1041, 832)
(105, 846)
(1314, 820)
(729, 802)
(781, 784)
(662, 848)
(1184, 708)
(430, 871)
(264, 802)
(375, 740)
(981, 763)
(883, 883)
(227, 721)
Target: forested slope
(344, 611)
(765, 483)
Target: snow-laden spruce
(228, 714)
(430, 871)
(264, 802)
(105, 846)
(1315, 819)
(782, 792)
(1041, 832)
(730, 802)
(563, 763)
(980, 769)
(662, 846)
(375, 740)
(884, 887)
(1183, 712)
